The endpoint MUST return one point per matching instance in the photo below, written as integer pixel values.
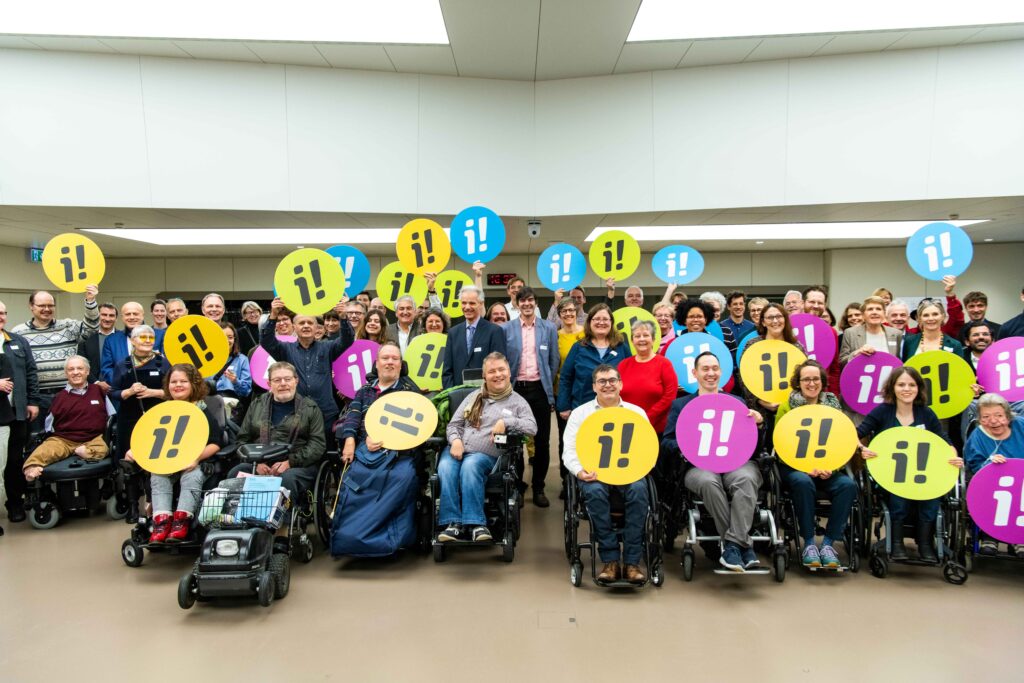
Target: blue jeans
(839, 489)
(927, 510)
(595, 495)
(462, 487)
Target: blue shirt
(980, 446)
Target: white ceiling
(27, 226)
(528, 40)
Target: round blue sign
(561, 266)
(477, 234)
(354, 264)
(938, 250)
(684, 350)
(742, 346)
(678, 264)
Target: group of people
(77, 373)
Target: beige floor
(71, 611)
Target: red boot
(161, 527)
(180, 527)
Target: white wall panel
(216, 134)
(594, 148)
(352, 139)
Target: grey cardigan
(514, 410)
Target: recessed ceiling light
(181, 237)
(675, 20)
(988, 239)
(759, 242)
(331, 21)
(775, 231)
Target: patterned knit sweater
(53, 345)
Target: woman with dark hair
(601, 343)
(774, 325)
(435, 321)
(374, 327)
(182, 383)
(235, 379)
(852, 315)
(695, 315)
(906, 405)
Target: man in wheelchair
(77, 420)
(606, 383)
(472, 454)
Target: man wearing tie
(471, 340)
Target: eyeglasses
(695, 317)
(145, 337)
(772, 318)
(810, 380)
(44, 305)
(607, 381)
(282, 380)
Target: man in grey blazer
(403, 331)
(857, 340)
(532, 348)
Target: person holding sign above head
(906, 405)
(471, 454)
(731, 497)
(605, 386)
(931, 316)
(872, 335)
(182, 383)
(470, 341)
(810, 384)
(648, 380)
(999, 437)
(578, 297)
(601, 345)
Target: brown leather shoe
(634, 575)
(609, 573)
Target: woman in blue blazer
(601, 343)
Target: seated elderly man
(472, 454)
(283, 416)
(78, 419)
(607, 385)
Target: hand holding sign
(477, 234)
(715, 432)
(72, 262)
(352, 366)
(863, 378)
(401, 420)
(939, 249)
(995, 499)
(423, 247)
(766, 368)
(948, 379)
(912, 463)
(815, 437)
(618, 445)
(169, 437)
(1001, 368)
(199, 341)
(425, 358)
(309, 281)
(561, 266)
(678, 264)
(614, 254)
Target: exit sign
(35, 255)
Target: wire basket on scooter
(230, 505)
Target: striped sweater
(53, 345)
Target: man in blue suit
(532, 345)
(116, 347)
(471, 340)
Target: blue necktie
(470, 331)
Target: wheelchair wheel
(879, 566)
(576, 573)
(688, 560)
(265, 589)
(132, 553)
(779, 561)
(657, 574)
(44, 515)
(187, 587)
(325, 490)
(439, 553)
(954, 573)
(304, 547)
(281, 568)
(117, 508)
(508, 553)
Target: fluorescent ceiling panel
(690, 19)
(328, 21)
(182, 237)
(774, 231)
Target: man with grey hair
(897, 315)
(176, 308)
(213, 306)
(403, 331)
(470, 341)
(793, 302)
(77, 420)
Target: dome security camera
(533, 228)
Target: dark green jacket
(304, 429)
(912, 341)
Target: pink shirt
(529, 371)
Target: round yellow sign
(766, 367)
(401, 420)
(614, 254)
(395, 281)
(913, 463)
(425, 358)
(72, 262)
(197, 340)
(169, 437)
(423, 246)
(948, 379)
(309, 281)
(624, 318)
(448, 285)
(815, 437)
(618, 445)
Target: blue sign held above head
(678, 264)
(939, 249)
(561, 266)
(477, 234)
(354, 264)
(685, 348)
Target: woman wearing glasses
(773, 326)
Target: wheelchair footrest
(755, 570)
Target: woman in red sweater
(648, 380)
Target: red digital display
(502, 279)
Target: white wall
(116, 130)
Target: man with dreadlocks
(471, 454)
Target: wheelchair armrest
(227, 451)
(263, 453)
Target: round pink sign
(995, 499)
(352, 366)
(1001, 368)
(715, 433)
(261, 362)
(863, 378)
(817, 337)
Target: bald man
(117, 346)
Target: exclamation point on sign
(677, 269)
(933, 252)
(427, 248)
(902, 460)
(803, 437)
(619, 250)
(566, 261)
(69, 268)
(1006, 372)
(627, 439)
(942, 370)
(303, 285)
(160, 437)
(474, 242)
(192, 351)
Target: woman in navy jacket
(601, 343)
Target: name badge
(506, 411)
(95, 403)
(615, 353)
(543, 347)
(478, 349)
(14, 347)
(154, 373)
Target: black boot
(899, 551)
(926, 542)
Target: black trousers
(14, 479)
(537, 398)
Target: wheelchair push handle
(263, 453)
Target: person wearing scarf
(471, 454)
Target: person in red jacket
(648, 379)
(79, 415)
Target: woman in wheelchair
(999, 436)
(906, 405)
(472, 454)
(182, 383)
(810, 382)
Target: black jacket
(23, 373)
